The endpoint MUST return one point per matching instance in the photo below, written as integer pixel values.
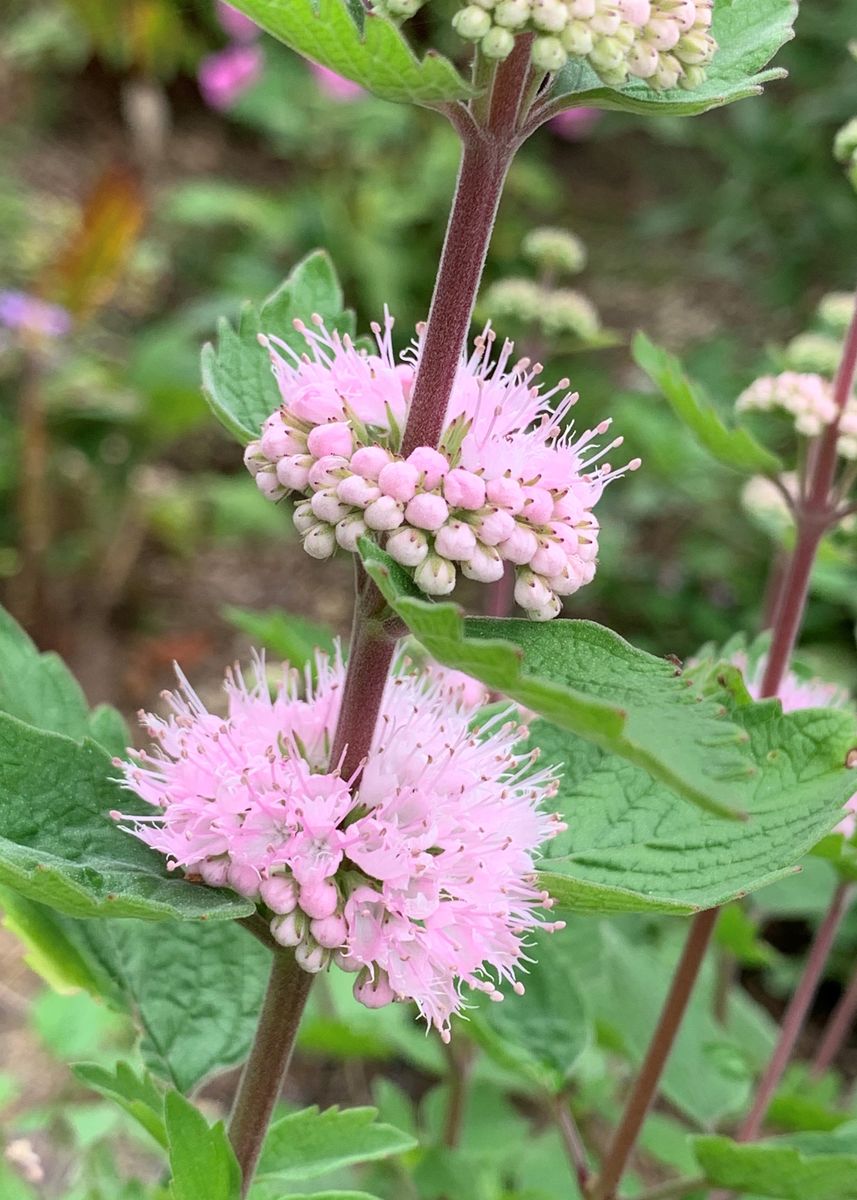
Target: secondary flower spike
(419, 878)
(510, 483)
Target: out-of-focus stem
(571, 1139)
(838, 1028)
(33, 493)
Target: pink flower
(29, 314)
(510, 482)
(226, 75)
(419, 877)
(796, 693)
(239, 27)
(575, 124)
(337, 87)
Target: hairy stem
(796, 1013)
(645, 1087)
(838, 1028)
(265, 1069)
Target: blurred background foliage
(130, 534)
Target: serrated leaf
(136, 1094)
(58, 845)
(541, 1034)
(628, 835)
(376, 55)
(236, 376)
(736, 448)
(807, 1166)
(748, 33)
(587, 680)
(40, 690)
(202, 1162)
(311, 1143)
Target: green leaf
(311, 1143)
(51, 953)
(202, 1162)
(58, 845)
(736, 448)
(40, 690)
(748, 32)
(628, 836)
(585, 679)
(287, 635)
(839, 851)
(541, 1034)
(136, 1094)
(738, 933)
(807, 1166)
(375, 55)
(236, 377)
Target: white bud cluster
(555, 250)
(808, 399)
(665, 43)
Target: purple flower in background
(235, 24)
(575, 124)
(224, 76)
(18, 310)
(337, 87)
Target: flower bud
(577, 39)
(506, 493)
(328, 507)
(455, 540)
(346, 962)
(431, 464)
(642, 60)
(638, 12)
(498, 43)
(427, 511)
(484, 565)
(549, 559)
(548, 53)
(277, 440)
(293, 471)
(374, 992)
(606, 21)
(319, 900)
(547, 611)
(538, 505)
(333, 438)
(383, 514)
(329, 932)
(320, 542)
(550, 16)
(520, 547)
(254, 459)
(583, 10)
(435, 576)
(695, 48)
(512, 14)
(349, 531)
(399, 480)
(244, 880)
(693, 78)
(531, 591)
(463, 489)
(570, 579)
(215, 871)
(663, 33)
(328, 470)
(311, 957)
(303, 518)
(369, 461)
(269, 485)
(668, 74)
(495, 527)
(280, 893)
(357, 491)
(289, 928)
(471, 23)
(407, 546)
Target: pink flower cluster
(418, 877)
(508, 484)
(225, 76)
(796, 693)
(806, 397)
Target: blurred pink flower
(226, 75)
(575, 124)
(233, 22)
(21, 311)
(337, 87)
(419, 878)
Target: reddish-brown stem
(645, 1087)
(796, 1013)
(265, 1070)
(571, 1139)
(461, 1057)
(838, 1028)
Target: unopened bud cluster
(508, 485)
(665, 43)
(808, 399)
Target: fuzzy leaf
(373, 53)
(306, 1144)
(748, 32)
(202, 1162)
(736, 448)
(59, 846)
(236, 376)
(589, 681)
(805, 1166)
(628, 837)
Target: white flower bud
(548, 54)
(484, 565)
(328, 507)
(289, 928)
(471, 23)
(320, 542)
(531, 591)
(435, 576)
(512, 14)
(349, 531)
(577, 39)
(552, 608)
(311, 957)
(498, 43)
(303, 518)
(550, 16)
(408, 546)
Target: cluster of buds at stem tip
(664, 43)
(808, 399)
(509, 484)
